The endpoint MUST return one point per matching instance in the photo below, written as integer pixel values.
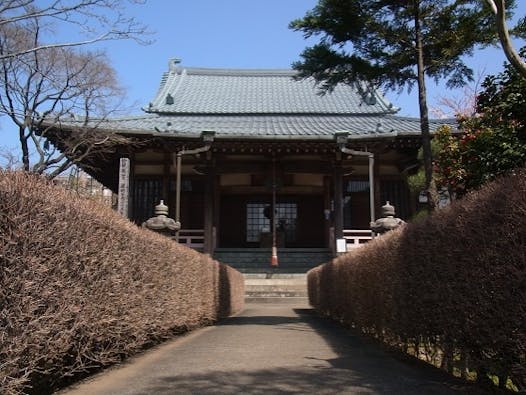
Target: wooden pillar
(216, 211)
(327, 210)
(209, 242)
(377, 190)
(166, 176)
(338, 200)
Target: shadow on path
(275, 350)
(308, 380)
(359, 367)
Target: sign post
(124, 186)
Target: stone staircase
(257, 260)
(264, 284)
(276, 287)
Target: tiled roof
(228, 91)
(261, 104)
(320, 127)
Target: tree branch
(499, 9)
(101, 19)
(43, 88)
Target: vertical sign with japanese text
(124, 186)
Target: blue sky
(237, 34)
(230, 34)
(209, 33)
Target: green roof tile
(315, 126)
(262, 104)
(227, 91)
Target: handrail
(192, 238)
(356, 237)
(195, 238)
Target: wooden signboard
(124, 186)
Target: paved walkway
(269, 349)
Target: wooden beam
(247, 167)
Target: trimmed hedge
(450, 289)
(82, 288)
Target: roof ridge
(235, 72)
(274, 114)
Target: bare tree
(89, 21)
(40, 90)
(462, 104)
(9, 159)
(499, 9)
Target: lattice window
(353, 187)
(257, 222)
(287, 216)
(147, 194)
(397, 193)
(357, 186)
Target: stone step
(297, 301)
(273, 272)
(294, 286)
(276, 282)
(267, 284)
(273, 275)
(278, 292)
(289, 259)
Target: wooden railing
(356, 237)
(193, 238)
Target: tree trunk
(505, 40)
(24, 147)
(431, 190)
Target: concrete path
(269, 349)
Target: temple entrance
(245, 221)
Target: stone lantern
(388, 221)
(160, 223)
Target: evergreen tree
(394, 44)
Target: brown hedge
(82, 287)
(450, 289)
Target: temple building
(247, 159)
